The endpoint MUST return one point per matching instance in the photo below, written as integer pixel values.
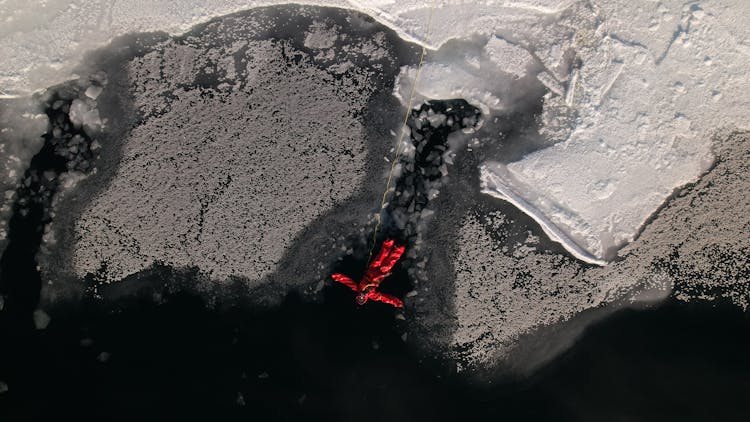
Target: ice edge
(502, 191)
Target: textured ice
(648, 83)
(508, 57)
(238, 145)
(645, 102)
(162, 206)
(695, 248)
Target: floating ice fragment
(93, 91)
(82, 115)
(41, 319)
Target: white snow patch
(42, 41)
(508, 57)
(494, 182)
(635, 115)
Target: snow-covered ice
(646, 89)
(647, 84)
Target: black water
(177, 358)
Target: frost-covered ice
(228, 201)
(242, 141)
(639, 88)
(648, 86)
(697, 247)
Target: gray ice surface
(244, 133)
(696, 247)
(207, 183)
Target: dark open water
(144, 359)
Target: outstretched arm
(346, 281)
(386, 298)
(385, 250)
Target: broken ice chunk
(93, 91)
(551, 83)
(82, 115)
(41, 319)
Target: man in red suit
(377, 271)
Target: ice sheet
(647, 86)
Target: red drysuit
(378, 269)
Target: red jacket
(377, 271)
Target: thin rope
(399, 148)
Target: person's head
(363, 295)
